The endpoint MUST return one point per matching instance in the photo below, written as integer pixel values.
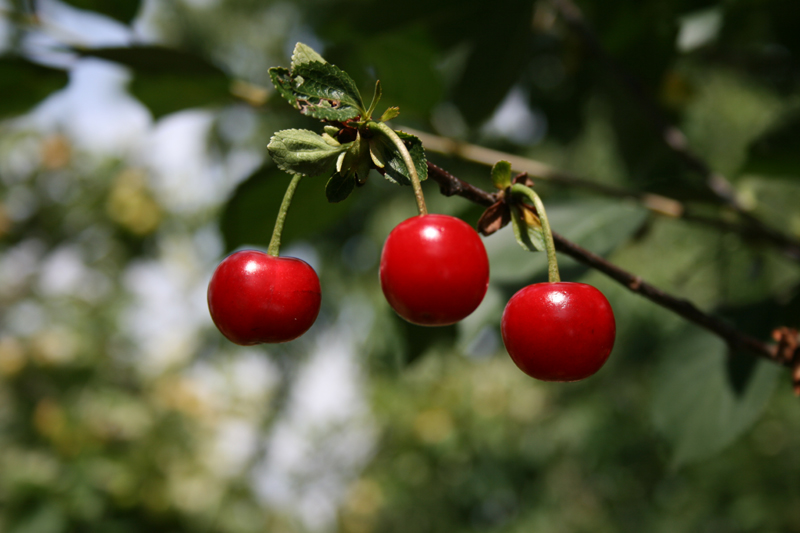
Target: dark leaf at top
(122, 10)
(24, 84)
(168, 80)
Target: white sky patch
(80, 27)
(235, 443)
(96, 110)
(5, 26)
(515, 121)
(237, 386)
(62, 271)
(327, 433)
(698, 29)
(186, 177)
(169, 308)
(236, 380)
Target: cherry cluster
(434, 271)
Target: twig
(536, 169)
(451, 185)
(656, 203)
(670, 134)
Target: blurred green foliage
(122, 409)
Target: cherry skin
(434, 270)
(256, 298)
(558, 331)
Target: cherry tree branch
(656, 203)
(670, 134)
(452, 186)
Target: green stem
(275, 242)
(412, 170)
(550, 247)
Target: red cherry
(434, 270)
(559, 331)
(254, 297)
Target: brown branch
(670, 134)
(451, 185)
(536, 169)
(656, 203)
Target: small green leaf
(305, 54)
(527, 229)
(501, 175)
(339, 186)
(302, 152)
(390, 113)
(387, 156)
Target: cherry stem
(412, 169)
(275, 241)
(550, 247)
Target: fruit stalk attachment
(408, 160)
(553, 275)
(275, 241)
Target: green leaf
(305, 54)
(168, 80)
(527, 229)
(339, 186)
(390, 113)
(388, 157)
(326, 92)
(303, 152)
(122, 10)
(501, 175)
(695, 405)
(24, 84)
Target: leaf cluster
(351, 144)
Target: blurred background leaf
(25, 84)
(696, 406)
(168, 80)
